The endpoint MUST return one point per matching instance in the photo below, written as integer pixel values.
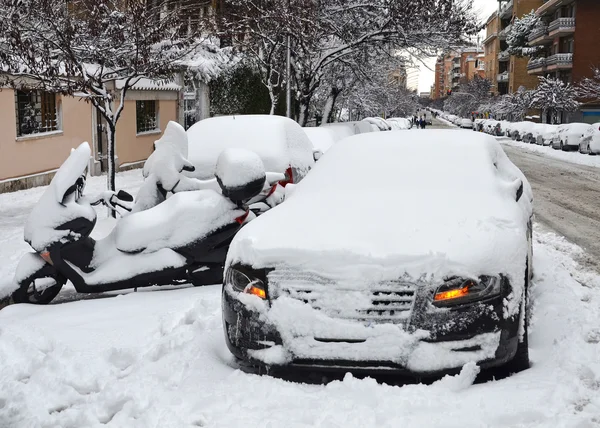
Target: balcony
(506, 10)
(536, 66)
(539, 36)
(561, 61)
(503, 56)
(550, 6)
(502, 77)
(561, 27)
(489, 38)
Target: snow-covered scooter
(170, 243)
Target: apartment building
(568, 39)
(507, 72)
(454, 68)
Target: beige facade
(39, 154)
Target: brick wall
(587, 35)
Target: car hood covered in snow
(385, 205)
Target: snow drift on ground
(158, 359)
(572, 157)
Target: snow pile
(53, 209)
(572, 157)
(237, 167)
(280, 142)
(354, 216)
(158, 359)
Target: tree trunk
(330, 104)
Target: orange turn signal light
(259, 292)
(451, 294)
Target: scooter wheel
(29, 293)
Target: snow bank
(572, 157)
(158, 359)
(380, 206)
(280, 142)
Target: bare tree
(96, 48)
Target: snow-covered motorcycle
(181, 239)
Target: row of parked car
(583, 137)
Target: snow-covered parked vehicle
(521, 131)
(378, 124)
(399, 123)
(590, 143)
(177, 241)
(395, 283)
(280, 142)
(478, 125)
(538, 131)
(322, 138)
(466, 123)
(571, 136)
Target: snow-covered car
(591, 141)
(348, 129)
(522, 131)
(378, 124)
(550, 133)
(322, 139)
(399, 123)
(573, 135)
(280, 142)
(395, 283)
(478, 125)
(466, 123)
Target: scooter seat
(182, 219)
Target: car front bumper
(433, 342)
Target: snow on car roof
(434, 202)
(279, 141)
(321, 138)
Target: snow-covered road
(157, 358)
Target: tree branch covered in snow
(475, 93)
(327, 32)
(517, 38)
(554, 95)
(98, 48)
(589, 88)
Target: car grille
(380, 302)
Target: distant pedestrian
(424, 123)
(421, 123)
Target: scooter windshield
(58, 205)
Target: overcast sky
(426, 77)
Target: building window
(37, 112)
(146, 114)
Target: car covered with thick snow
(570, 136)
(590, 143)
(280, 142)
(408, 252)
(466, 123)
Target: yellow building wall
(33, 154)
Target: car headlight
(245, 281)
(458, 291)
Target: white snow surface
(50, 211)
(182, 219)
(322, 138)
(158, 359)
(237, 167)
(455, 213)
(572, 157)
(279, 141)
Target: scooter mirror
(124, 196)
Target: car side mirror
(317, 154)
(519, 191)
